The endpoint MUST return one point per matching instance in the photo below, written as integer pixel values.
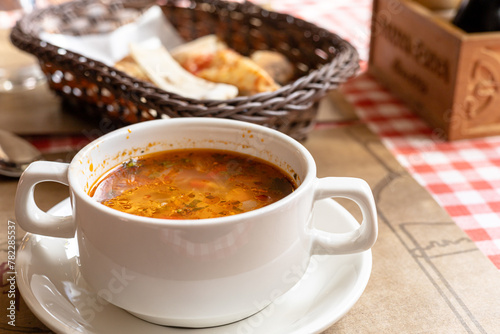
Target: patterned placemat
(463, 176)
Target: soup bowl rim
(309, 176)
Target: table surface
(463, 177)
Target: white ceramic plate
(50, 282)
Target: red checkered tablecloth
(463, 176)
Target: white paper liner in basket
(109, 48)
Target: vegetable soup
(192, 184)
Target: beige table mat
(427, 277)
(38, 111)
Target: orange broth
(192, 184)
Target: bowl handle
(363, 237)
(29, 216)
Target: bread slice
(211, 59)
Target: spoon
(15, 154)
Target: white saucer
(50, 282)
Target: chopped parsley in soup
(192, 184)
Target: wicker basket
(322, 61)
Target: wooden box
(448, 77)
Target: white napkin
(111, 47)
